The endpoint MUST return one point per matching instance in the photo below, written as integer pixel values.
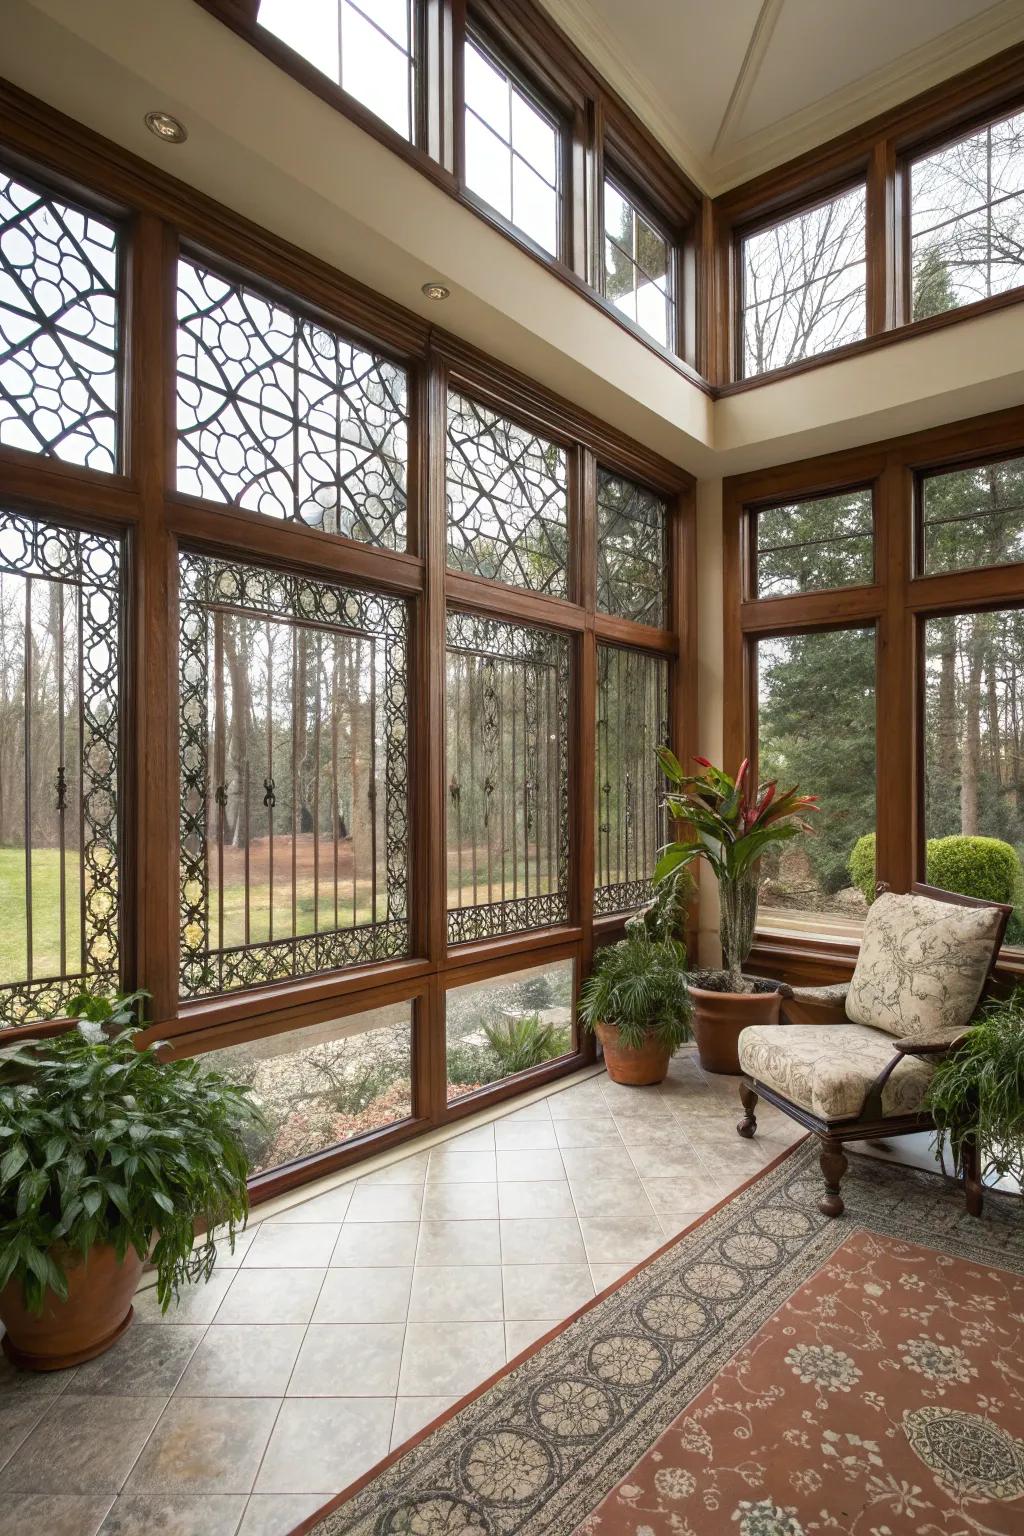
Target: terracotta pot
(718, 1018)
(637, 1066)
(97, 1311)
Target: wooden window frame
(898, 603)
(160, 217)
(674, 238)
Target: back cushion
(922, 965)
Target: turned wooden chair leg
(748, 1098)
(833, 1166)
(974, 1190)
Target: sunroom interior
(414, 414)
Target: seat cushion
(922, 966)
(828, 1068)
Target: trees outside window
(637, 266)
(973, 517)
(812, 545)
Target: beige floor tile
(622, 1099)
(53, 1514)
(348, 1360)
(668, 1133)
(581, 1164)
(364, 1296)
(479, 1139)
(212, 1514)
(449, 1359)
(620, 1195)
(331, 1206)
(608, 1274)
(277, 1514)
(291, 1245)
(533, 1241)
(619, 1240)
(601, 1132)
(460, 1202)
(514, 1135)
(385, 1202)
(82, 1445)
(660, 1160)
(320, 1445)
(731, 1161)
(407, 1170)
(206, 1445)
(529, 1167)
(460, 1167)
(414, 1413)
(544, 1290)
(695, 1193)
(519, 1336)
(246, 1360)
(549, 1199)
(232, 1259)
(540, 1109)
(468, 1293)
(196, 1303)
(146, 1360)
(272, 1296)
(15, 1383)
(19, 1415)
(586, 1102)
(367, 1245)
(458, 1242)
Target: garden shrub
(861, 865)
(983, 867)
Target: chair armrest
(934, 1047)
(816, 1005)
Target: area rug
(769, 1373)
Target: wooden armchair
(854, 1061)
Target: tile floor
(339, 1327)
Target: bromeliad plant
(102, 1142)
(732, 823)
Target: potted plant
(976, 1096)
(637, 1002)
(731, 823)
(109, 1156)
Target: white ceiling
(732, 87)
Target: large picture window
(816, 728)
(967, 219)
(632, 550)
(505, 1025)
(804, 284)
(280, 415)
(631, 825)
(294, 741)
(59, 328)
(507, 751)
(367, 48)
(60, 693)
(507, 500)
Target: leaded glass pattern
(632, 722)
(281, 415)
(815, 544)
(632, 550)
(59, 330)
(60, 693)
(507, 500)
(294, 779)
(508, 777)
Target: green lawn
(45, 913)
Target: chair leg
(748, 1098)
(974, 1190)
(833, 1166)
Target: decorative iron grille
(632, 720)
(294, 777)
(632, 556)
(60, 658)
(508, 778)
(59, 333)
(507, 500)
(280, 415)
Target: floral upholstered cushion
(922, 965)
(828, 1068)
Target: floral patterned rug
(770, 1373)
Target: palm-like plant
(732, 822)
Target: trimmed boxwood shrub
(983, 867)
(861, 865)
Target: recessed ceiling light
(166, 127)
(436, 290)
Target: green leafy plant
(640, 985)
(524, 1042)
(469, 1063)
(978, 1090)
(984, 867)
(731, 824)
(104, 1142)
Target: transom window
(804, 284)
(367, 48)
(967, 219)
(59, 328)
(512, 149)
(283, 416)
(637, 266)
(809, 546)
(973, 517)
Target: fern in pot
(637, 1002)
(976, 1096)
(109, 1157)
